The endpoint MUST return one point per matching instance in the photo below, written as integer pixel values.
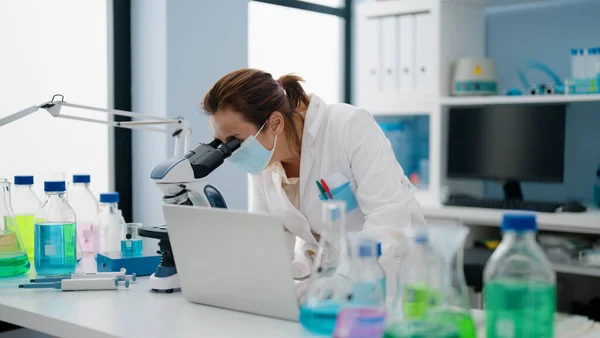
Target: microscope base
(168, 284)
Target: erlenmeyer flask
(419, 292)
(327, 289)
(454, 309)
(13, 258)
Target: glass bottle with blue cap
(55, 247)
(519, 284)
(109, 226)
(86, 208)
(25, 204)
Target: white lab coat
(345, 139)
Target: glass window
(54, 47)
(285, 40)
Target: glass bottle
(13, 258)
(85, 205)
(326, 292)
(109, 226)
(55, 250)
(519, 288)
(25, 204)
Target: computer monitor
(509, 143)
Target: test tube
(590, 63)
(131, 244)
(573, 63)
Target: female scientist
(291, 140)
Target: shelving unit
(453, 101)
(576, 269)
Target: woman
(291, 140)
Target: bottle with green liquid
(25, 203)
(13, 259)
(519, 284)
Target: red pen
(326, 188)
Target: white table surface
(135, 312)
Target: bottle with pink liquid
(86, 208)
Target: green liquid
(461, 320)
(519, 309)
(418, 298)
(25, 224)
(13, 264)
(420, 329)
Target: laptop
(233, 260)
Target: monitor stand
(512, 191)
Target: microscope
(180, 180)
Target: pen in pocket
(321, 190)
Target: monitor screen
(507, 142)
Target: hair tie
(279, 83)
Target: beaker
(131, 243)
(327, 290)
(13, 258)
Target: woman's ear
(276, 123)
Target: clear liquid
(25, 224)
(12, 264)
(85, 236)
(519, 309)
(320, 319)
(55, 248)
(131, 247)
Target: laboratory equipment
(140, 266)
(327, 291)
(131, 243)
(80, 284)
(590, 257)
(13, 257)
(474, 76)
(454, 309)
(531, 136)
(364, 313)
(519, 283)
(55, 248)
(555, 87)
(597, 189)
(85, 205)
(25, 203)
(121, 275)
(108, 225)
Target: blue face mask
(251, 156)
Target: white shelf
(452, 101)
(575, 269)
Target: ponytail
(293, 90)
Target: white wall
(179, 49)
(50, 47)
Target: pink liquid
(359, 323)
(85, 236)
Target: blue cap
(519, 222)
(573, 51)
(580, 51)
(81, 179)
(421, 239)
(23, 180)
(366, 251)
(378, 249)
(54, 186)
(109, 197)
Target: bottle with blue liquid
(131, 243)
(55, 248)
(326, 292)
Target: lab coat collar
(312, 124)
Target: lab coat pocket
(344, 193)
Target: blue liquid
(320, 319)
(131, 247)
(55, 250)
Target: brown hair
(255, 95)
